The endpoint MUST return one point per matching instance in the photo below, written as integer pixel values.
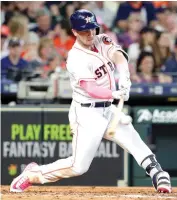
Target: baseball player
(91, 64)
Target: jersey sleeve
(79, 69)
(109, 47)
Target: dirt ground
(87, 193)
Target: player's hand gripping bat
(116, 117)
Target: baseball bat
(116, 117)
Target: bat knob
(111, 133)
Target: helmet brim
(86, 28)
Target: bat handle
(120, 104)
(114, 122)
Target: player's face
(85, 38)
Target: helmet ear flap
(97, 31)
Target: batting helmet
(82, 20)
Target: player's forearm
(121, 63)
(96, 91)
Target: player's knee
(79, 170)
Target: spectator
(55, 14)
(69, 9)
(30, 52)
(161, 15)
(167, 18)
(54, 8)
(160, 4)
(45, 49)
(13, 62)
(33, 7)
(99, 10)
(7, 11)
(65, 40)
(84, 5)
(147, 42)
(66, 8)
(172, 6)
(4, 35)
(44, 25)
(146, 9)
(105, 29)
(172, 27)
(132, 35)
(170, 65)
(53, 64)
(21, 7)
(146, 70)
(18, 28)
(164, 47)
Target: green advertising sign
(155, 115)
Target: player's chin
(89, 42)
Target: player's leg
(86, 139)
(128, 138)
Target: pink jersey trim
(85, 79)
(96, 91)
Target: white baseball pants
(88, 126)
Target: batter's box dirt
(87, 193)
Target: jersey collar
(78, 46)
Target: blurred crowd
(36, 36)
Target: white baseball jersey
(84, 64)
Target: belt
(97, 104)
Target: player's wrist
(124, 74)
(113, 94)
(116, 94)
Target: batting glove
(121, 93)
(124, 85)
